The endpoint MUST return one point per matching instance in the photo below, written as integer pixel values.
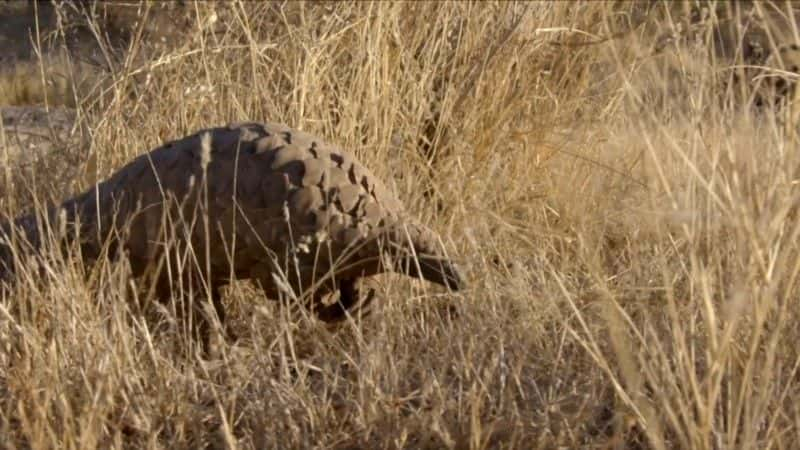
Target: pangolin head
(417, 252)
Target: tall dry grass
(626, 220)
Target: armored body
(300, 217)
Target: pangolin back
(280, 203)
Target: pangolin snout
(439, 270)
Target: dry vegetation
(622, 199)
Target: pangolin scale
(254, 201)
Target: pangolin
(299, 216)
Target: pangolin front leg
(348, 299)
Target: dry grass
(626, 220)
